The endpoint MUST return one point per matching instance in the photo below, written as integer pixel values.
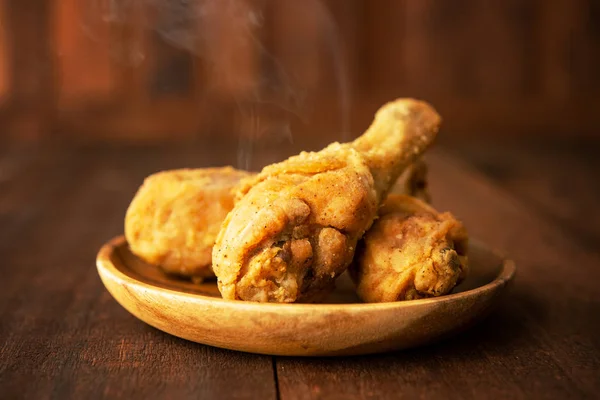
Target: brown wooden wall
(100, 69)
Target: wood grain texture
(31, 104)
(62, 335)
(378, 66)
(167, 70)
(557, 301)
(4, 67)
(556, 178)
(539, 344)
(83, 53)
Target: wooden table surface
(63, 336)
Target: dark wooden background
(518, 85)
(108, 70)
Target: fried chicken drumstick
(411, 252)
(296, 224)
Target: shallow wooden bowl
(343, 326)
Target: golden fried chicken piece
(410, 252)
(296, 224)
(413, 182)
(175, 216)
(196, 259)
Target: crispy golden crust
(283, 241)
(296, 224)
(411, 252)
(175, 217)
(401, 131)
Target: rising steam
(231, 39)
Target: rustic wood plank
(504, 51)
(172, 44)
(541, 342)
(584, 58)
(4, 66)
(83, 54)
(345, 39)
(63, 336)
(132, 43)
(558, 178)
(556, 272)
(31, 68)
(298, 35)
(557, 21)
(30, 180)
(513, 66)
(387, 55)
(425, 68)
(463, 49)
(232, 46)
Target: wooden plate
(343, 326)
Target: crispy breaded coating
(296, 225)
(175, 216)
(411, 252)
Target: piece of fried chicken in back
(175, 216)
(412, 251)
(413, 182)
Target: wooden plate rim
(106, 266)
